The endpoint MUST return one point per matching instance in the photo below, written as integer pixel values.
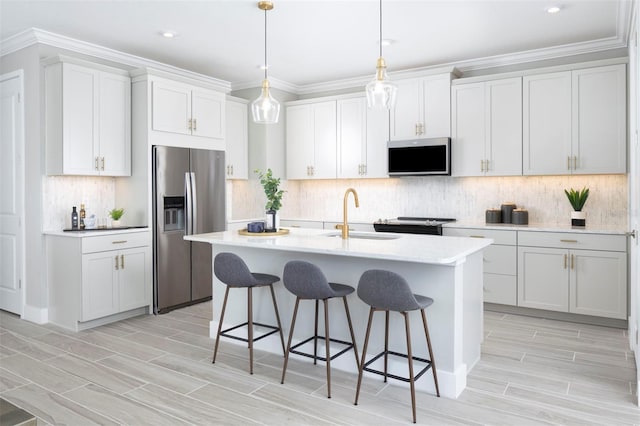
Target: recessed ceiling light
(168, 34)
(553, 9)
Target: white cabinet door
(547, 124)
(300, 143)
(133, 277)
(99, 285)
(376, 164)
(79, 121)
(598, 283)
(407, 114)
(237, 140)
(324, 137)
(207, 113)
(543, 278)
(503, 140)
(352, 137)
(436, 93)
(468, 130)
(114, 116)
(171, 107)
(599, 120)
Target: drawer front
(499, 237)
(500, 259)
(500, 289)
(573, 240)
(97, 243)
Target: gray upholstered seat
(231, 270)
(388, 291)
(306, 281)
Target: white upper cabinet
(376, 165)
(352, 137)
(237, 140)
(575, 122)
(423, 108)
(487, 128)
(599, 132)
(187, 110)
(88, 120)
(311, 140)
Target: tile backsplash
(61, 193)
(465, 199)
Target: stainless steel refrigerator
(188, 198)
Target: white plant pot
(116, 223)
(578, 218)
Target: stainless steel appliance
(412, 225)
(188, 198)
(419, 157)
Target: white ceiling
(312, 42)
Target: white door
(115, 125)
(468, 129)
(208, 111)
(171, 105)
(11, 192)
(351, 137)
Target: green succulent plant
(116, 214)
(271, 185)
(577, 198)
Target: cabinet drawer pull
(476, 236)
(102, 164)
(195, 124)
(294, 226)
(568, 163)
(572, 261)
(122, 261)
(568, 241)
(119, 242)
(575, 162)
(97, 164)
(117, 262)
(565, 261)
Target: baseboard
(37, 315)
(561, 316)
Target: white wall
(461, 198)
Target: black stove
(412, 225)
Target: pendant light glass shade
(265, 109)
(381, 92)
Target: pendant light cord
(380, 28)
(265, 44)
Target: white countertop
(403, 247)
(95, 232)
(541, 227)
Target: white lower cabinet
(499, 262)
(570, 272)
(96, 279)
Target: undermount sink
(364, 236)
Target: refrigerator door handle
(188, 205)
(194, 203)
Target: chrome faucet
(345, 224)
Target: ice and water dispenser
(174, 213)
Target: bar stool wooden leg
(353, 336)
(410, 359)
(315, 337)
(286, 353)
(386, 344)
(431, 357)
(275, 307)
(224, 306)
(364, 354)
(250, 327)
(327, 345)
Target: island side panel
(443, 283)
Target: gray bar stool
(232, 271)
(306, 281)
(387, 291)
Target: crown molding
(274, 83)
(36, 35)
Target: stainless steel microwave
(419, 157)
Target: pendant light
(381, 92)
(265, 109)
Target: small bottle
(74, 218)
(83, 214)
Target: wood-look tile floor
(157, 371)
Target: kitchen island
(447, 269)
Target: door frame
(19, 186)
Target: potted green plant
(116, 214)
(577, 200)
(271, 186)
